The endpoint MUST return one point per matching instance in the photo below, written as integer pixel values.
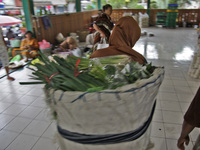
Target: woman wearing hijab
(124, 36)
(103, 26)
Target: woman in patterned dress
(103, 26)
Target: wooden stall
(66, 23)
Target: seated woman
(29, 46)
(70, 46)
(124, 36)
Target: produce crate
(171, 19)
(160, 14)
(161, 18)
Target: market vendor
(69, 46)
(124, 36)
(29, 46)
(103, 26)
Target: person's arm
(99, 30)
(35, 45)
(22, 45)
(184, 137)
(63, 45)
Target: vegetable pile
(80, 74)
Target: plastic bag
(102, 44)
(44, 44)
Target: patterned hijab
(124, 36)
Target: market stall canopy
(49, 2)
(7, 20)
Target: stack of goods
(161, 18)
(135, 16)
(82, 35)
(100, 104)
(74, 36)
(171, 15)
(143, 20)
(45, 47)
(194, 70)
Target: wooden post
(78, 5)
(99, 4)
(28, 8)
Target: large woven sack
(108, 112)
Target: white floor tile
(30, 112)
(12, 98)
(184, 106)
(51, 130)
(4, 120)
(158, 116)
(6, 137)
(173, 117)
(167, 82)
(3, 94)
(158, 105)
(36, 91)
(193, 84)
(45, 115)
(23, 142)
(14, 109)
(18, 124)
(39, 102)
(159, 143)
(157, 130)
(183, 90)
(183, 97)
(26, 100)
(45, 144)
(168, 96)
(170, 106)
(4, 106)
(172, 131)
(36, 127)
(168, 89)
(179, 83)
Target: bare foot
(10, 78)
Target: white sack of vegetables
(101, 104)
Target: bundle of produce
(80, 74)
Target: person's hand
(30, 47)
(103, 35)
(181, 141)
(25, 46)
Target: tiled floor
(26, 124)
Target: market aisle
(26, 123)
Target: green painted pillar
(28, 8)
(78, 5)
(99, 4)
(148, 7)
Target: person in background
(4, 56)
(103, 26)
(70, 45)
(29, 46)
(124, 36)
(191, 120)
(10, 34)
